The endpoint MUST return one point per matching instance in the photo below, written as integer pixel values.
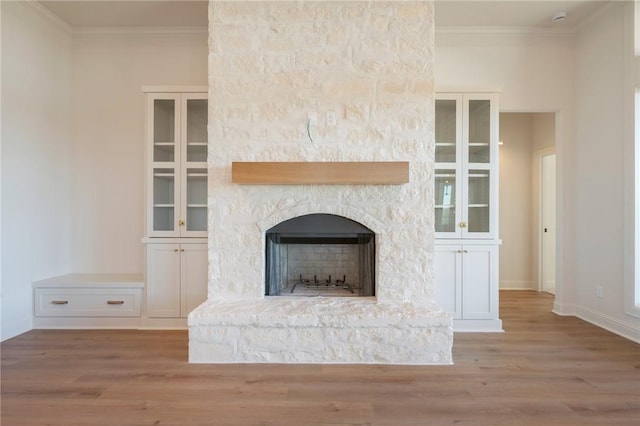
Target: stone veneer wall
(273, 65)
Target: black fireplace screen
(320, 255)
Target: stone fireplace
(319, 81)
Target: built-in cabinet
(466, 209)
(176, 246)
(176, 224)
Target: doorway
(528, 140)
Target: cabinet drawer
(88, 302)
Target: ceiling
(529, 14)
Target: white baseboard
(565, 310)
(89, 323)
(516, 285)
(12, 327)
(622, 328)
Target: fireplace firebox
(320, 255)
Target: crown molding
(49, 15)
(599, 13)
(547, 32)
(139, 30)
(62, 24)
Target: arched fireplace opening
(320, 255)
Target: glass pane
(197, 130)
(163, 152)
(196, 152)
(196, 199)
(479, 199)
(163, 130)
(163, 219)
(445, 131)
(445, 200)
(479, 130)
(163, 199)
(196, 218)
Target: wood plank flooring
(544, 370)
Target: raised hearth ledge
(328, 173)
(319, 330)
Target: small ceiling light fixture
(559, 17)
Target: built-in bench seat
(88, 301)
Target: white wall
(108, 137)
(600, 172)
(36, 152)
(544, 131)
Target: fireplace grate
(322, 286)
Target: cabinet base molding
(477, 326)
(163, 324)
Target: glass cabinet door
(164, 158)
(194, 164)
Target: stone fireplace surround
(272, 66)
(395, 329)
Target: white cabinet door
(466, 280)
(448, 157)
(193, 166)
(176, 279)
(448, 279)
(194, 276)
(163, 280)
(479, 282)
(163, 159)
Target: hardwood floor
(544, 370)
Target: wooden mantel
(320, 173)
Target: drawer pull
(115, 302)
(59, 302)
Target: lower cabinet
(88, 301)
(466, 285)
(176, 279)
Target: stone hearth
(358, 78)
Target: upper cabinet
(177, 164)
(466, 171)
